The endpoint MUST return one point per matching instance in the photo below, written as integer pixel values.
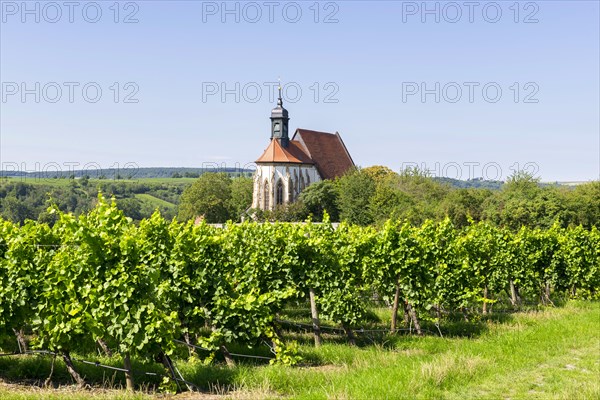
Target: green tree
(583, 204)
(16, 210)
(378, 172)
(391, 202)
(208, 197)
(131, 207)
(241, 196)
(411, 195)
(292, 212)
(523, 202)
(461, 204)
(321, 197)
(355, 191)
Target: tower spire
(279, 99)
(279, 121)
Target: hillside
(127, 173)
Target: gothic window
(266, 195)
(307, 179)
(279, 193)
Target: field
(550, 353)
(155, 202)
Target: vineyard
(146, 291)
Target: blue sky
(484, 89)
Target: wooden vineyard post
(395, 309)
(129, 374)
(315, 318)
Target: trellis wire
(98, 364)
(357, 330)
(233, 354)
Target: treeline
(135, 288)
(366, 196)
(376, 194)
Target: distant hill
(477, 183)
(574, 183)
(128, 173)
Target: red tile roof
(276, 153)
(327, 151)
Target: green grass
(154, 202)
(62, 183)
(12, 392)
(553, 353)
(549, 354)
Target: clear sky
(465, 89)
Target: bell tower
(279, 122)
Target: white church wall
(294, 178)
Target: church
(288, 166)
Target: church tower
(279, 122)
(287, 166)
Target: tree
(460, 204)
(321, 197)
(378, 172)
(389, 201)
(410, 195)
(291, 212)
(209, 197)
(241, 196)
(425, 191)
(355, 191)
(131, 207)
(16, 210)
(523, 202)
(583, 204)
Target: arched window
(279, 193)
(266, 195)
